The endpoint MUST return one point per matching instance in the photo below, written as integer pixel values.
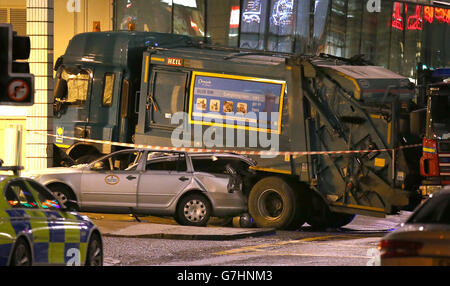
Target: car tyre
(63, 194)
(95, 251)
(21, 255)
(193, 210)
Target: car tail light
(399, 248)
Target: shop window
(16, 17)
(189, 17)
(223, 19)
(147, 15)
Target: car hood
(57, 170)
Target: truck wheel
(320, 216)
(273, 204)
(193, 210)
(21, 255)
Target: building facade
(399, 35)
(395, 34)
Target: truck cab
(97, 80)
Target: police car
(36, 229)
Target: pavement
(167, 228)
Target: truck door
(104, 105)
(166, 97)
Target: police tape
(240, 152)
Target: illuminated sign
(252, 12)
(234, 17)
(175, 62)
(282, 12)
(415, 22)
(236, 102)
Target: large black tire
(319, 215)
(94, 256)
(193, 210)
(21, 255)
(272, 203)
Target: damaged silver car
(192, 187)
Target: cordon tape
(199, 150)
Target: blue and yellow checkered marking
(53, 234)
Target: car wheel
(21, 255)
(61, 193)
(94, 252)
(193, 210)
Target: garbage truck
(331, 136)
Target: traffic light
(16, 82)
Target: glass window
(353, 28)
(208, 165)
(108, 90)
(167, 162)
(147, 15)
(189, 17)
(18, 196)
(253, 24)
(168, 96)
(223, 19)
(118, 162)
(73, 86)
(47, 200)
(281, 25)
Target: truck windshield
(74, 89)
(440, 116)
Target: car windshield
(435, 210)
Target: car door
(67, 238)
(164, 178)
(108, 185)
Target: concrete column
(40, 19)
